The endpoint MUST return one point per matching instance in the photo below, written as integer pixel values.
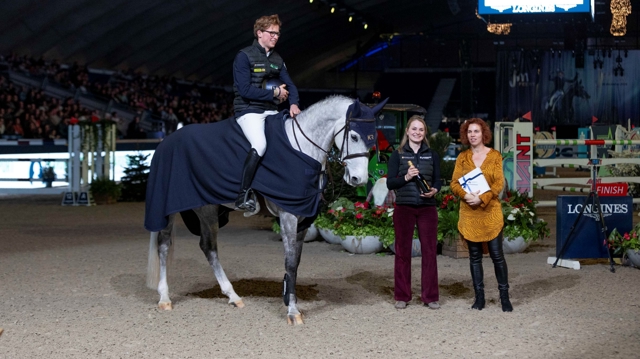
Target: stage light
(499, 29)
(620, 9)
(365, 25)
(333, 9)
(310, 1)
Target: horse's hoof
(238, 304)
(295, 319)
(165, 306)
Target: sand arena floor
(72, 285)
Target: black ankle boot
(504, 300)
(479, 303)
(245, 200)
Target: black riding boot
(477, 274)
(502, 273)
(503, 286)
(245, 201)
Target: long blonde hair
(405, 138)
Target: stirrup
(249, 202)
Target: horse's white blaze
(355, 172)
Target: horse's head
(358, 136)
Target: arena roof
(197, 40)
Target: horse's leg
(164, 243)
(292, 242)
(208, 216)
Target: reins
(345, 128)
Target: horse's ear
(357, 111)
(380, 105)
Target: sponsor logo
(591, 210)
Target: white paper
(474, 181)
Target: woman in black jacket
(415, 208)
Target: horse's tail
(153, 264)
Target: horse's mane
(322, 108)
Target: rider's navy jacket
(246, 91)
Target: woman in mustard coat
(481, 218)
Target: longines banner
(587, 240)
(603, 88)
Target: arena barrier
(87, 158)
(517, 144)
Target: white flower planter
(515, 245)
(312, 234)
(634, 257)
(329, 237)
(416, 249)
(362, 245)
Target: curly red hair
(486, 131)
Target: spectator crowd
(29, 113)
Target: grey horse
(312, 132)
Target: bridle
(346, 128)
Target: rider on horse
(558, 87)
(252, 68)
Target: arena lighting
(499, 29)
(310, 1)
(350, 18)
(620, 9)
(365, 25)
(333, 9)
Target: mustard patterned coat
(484, 222)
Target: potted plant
(448, 216)
(324, 223)
(363, 229)
(627, 244)
(105, 190)
(521, 223)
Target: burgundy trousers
(405, 219)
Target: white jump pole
(74, 155)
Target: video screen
(512, 7)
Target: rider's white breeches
(252, 125)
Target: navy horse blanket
(202, 164)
